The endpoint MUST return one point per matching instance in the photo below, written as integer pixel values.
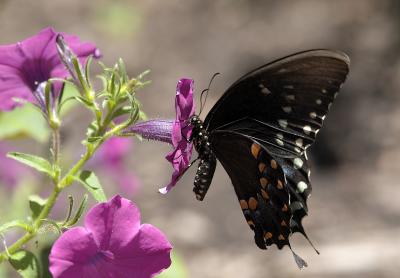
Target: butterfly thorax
(200, 137)
(206, 169)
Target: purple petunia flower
(181, 132)
(113, 243)
(27, 64)
(176, 132)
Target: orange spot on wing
(261, 167)
(274, 165)
(263, 182)
(279, 184)
(243, 204)
(255, 150)
(268, 235)
(252, 203)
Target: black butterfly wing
(259, 184)
(282, 104)
(297, 174)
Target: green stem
(56, 146)
(56, 154)
(36, 225)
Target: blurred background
(354, 217)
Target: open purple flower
(176, 132)
(113, 243)
(27, 64)
(181, 132)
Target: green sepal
(84, 101)
(87, 68)
(122, 111)
(79, 212)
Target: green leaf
(33, 161)
(79, 212)
(89, 180)
(25, 263)
(176, 270)
(14, 124)
(36, 204)
(14, 224)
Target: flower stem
(36, 225)
(56, 146)
(67, 180)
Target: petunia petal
(113, 224)
(184, 103)
(117, 246)
(148, 253)
(71, 252)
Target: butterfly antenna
(203, 103)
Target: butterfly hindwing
(283, 103)
(260, 186)
(297, 173)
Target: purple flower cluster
(113, 243)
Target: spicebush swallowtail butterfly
(260, 129)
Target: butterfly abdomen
(208, 161)
(204, 175)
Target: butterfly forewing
(259, 183)
(284, 103)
